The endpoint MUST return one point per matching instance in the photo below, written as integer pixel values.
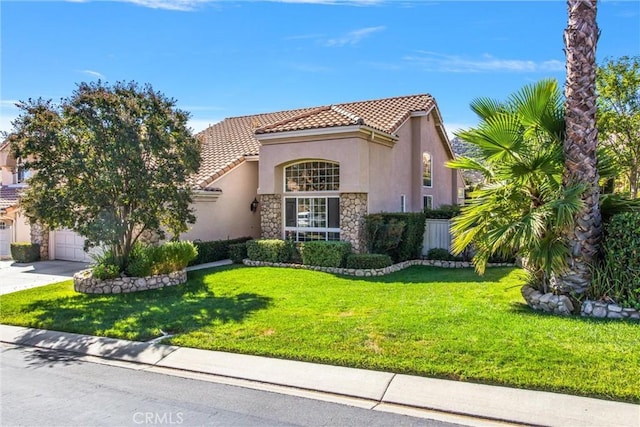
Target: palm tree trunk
(580, 143)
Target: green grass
(425, 321)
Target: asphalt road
(43, 387)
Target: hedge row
(215, 250)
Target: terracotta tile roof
(227, 144)
(8, 196)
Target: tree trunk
(580, 144)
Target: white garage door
(5, 239)
(69, 246)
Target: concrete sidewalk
(380, 388)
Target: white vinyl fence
(436, 235)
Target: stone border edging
(561, 304)
(83, 281)
(372, 272)
(605, 310)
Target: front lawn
(423, 320)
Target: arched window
(312, 217)
(312, 176)
(427, 169)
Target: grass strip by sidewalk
(423, 320)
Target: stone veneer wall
(353, 208)
(271, 216)
(40, 235)
(83, 281)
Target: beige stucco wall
(351, 153)
(384, 172)
(229, 216)
(401, 172)
(21, 228)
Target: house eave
(206, 195)
(338, 132)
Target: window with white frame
(427, 202)
(312, 216)
(403, 203)
(3, 225)
(427, 169)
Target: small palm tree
(521, 207)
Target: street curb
(469, 399)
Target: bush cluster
(146, 260)
(368, 261)
(398, 235)
(25, 252)
(215, 250)
(325, 253)
(270, 250)
(617, 275)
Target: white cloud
(354, 37)
(432, 61)
(92, 73)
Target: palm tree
(580, 144)
(521, 207)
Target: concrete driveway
(15, 277)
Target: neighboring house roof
(8, 196)
(227, 144)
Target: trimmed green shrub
(171, 256)
(367, 261)
(381, 230)
(269, 250)
(443, 212)
(238, 252)
(140, 262)
(106, 271)
(166, 258)
(617, 275)
(215, 250)
(439, 254)
(25, 252)
(325, 253)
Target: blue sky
(223, 58)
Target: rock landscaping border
(605, 310)
(372, 272)
(83, 281)
(561, 304)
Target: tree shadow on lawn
(144, 315)
(427, 274)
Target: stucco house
(306, 174)
(314, 172)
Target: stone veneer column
(40, 235)
(271, 216)
(353, 208)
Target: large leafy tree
(109, 162)
(618, 86)
(580, 145)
